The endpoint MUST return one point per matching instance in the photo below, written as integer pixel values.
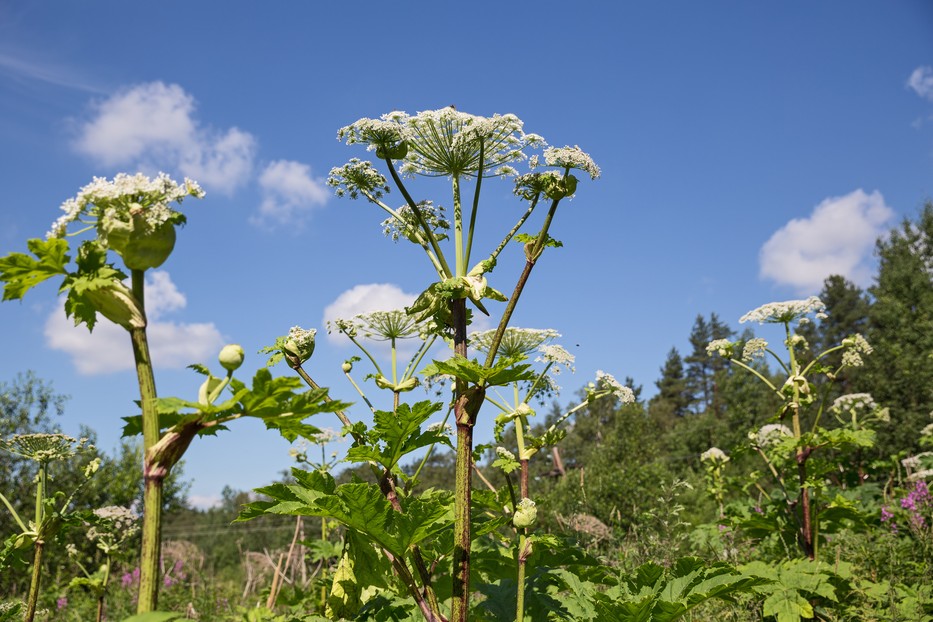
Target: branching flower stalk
(452, 144)
(797, 393)
(133, 216)
(44, 449)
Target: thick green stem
(466, 405)
(459, 263)
(34, 581)
(522, 558)
(153, 475)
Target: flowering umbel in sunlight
(45, 448)
(622, 392)
(784, 312)
(132, 215)
(515, 341)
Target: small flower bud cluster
(770, 434)
(753, 349)
(722, 347)
(622, 392)
(856, 345)
(714, 455)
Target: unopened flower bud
(231, 357)
(526, 514)
(347, 367)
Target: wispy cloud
(21, 69)
(153, 127)
(289, 194)
(837, 238)
(921, 82)
(107, 349)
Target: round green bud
(347, 367)
(141, 245)
(526, 514)
(231, 357)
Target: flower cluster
(571, 157)
(444, 142)
(357, 177)
(378, 325)
(557, 356)
(855, 347)
(753, 349)
(407, 225)
(515, 341)
(770, 434)
(125, 197)
(785, 312)
(45, 448)
(622, 392)
(113, 526)
(714, 455)
(723, 347)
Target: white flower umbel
(44, 448)
(386, 325)
(714, 455)
(770, 434)
(406, 224)
(723, 347)
(515, 341)
(571, 157)
(607, 381)
(126, 197)
(753, 349)
(556, 355)
(785, 312)
(358, 177)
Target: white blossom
(622, 392)
(571, 157)
(723, 347)
(784, 312)
(770, 434)
(515, 341)
(753, 348)
(126, 197)
(714, 455)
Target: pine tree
(673, 398)
(899, 373)
(702, 368)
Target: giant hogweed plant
(401, 558)
(801, 449)
(134, 218)
(461, 148)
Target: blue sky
(748, 150)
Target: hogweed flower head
(770, 434)
(384, 325)
(855, 346)
(723, 347)
(753, 349)
(515, 341)
(556, 355)
(114, 526)
(410, 228)
(571, 157)
(45, 448)
(357, 177)
(785, 312)
(444, 142)
(714, 455)
(132, 215)
(620, 391)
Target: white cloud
(152, 126)
(837, 238)
(108, 349)
(365, 299)
(921, 82)
(289, 194)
